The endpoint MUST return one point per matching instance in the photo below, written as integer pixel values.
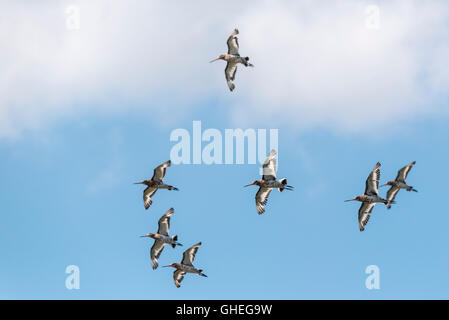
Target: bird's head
(358, 198)
(254, 183)
(220, 57)
(148, 235)
(389, 183)
(142, 182)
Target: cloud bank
(336, 65)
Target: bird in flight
(155, 183)
(268, 182)
(161, 238)
(399, 183)
(370, 197)
(232, 58)
(186, 265)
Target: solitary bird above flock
(233, 58)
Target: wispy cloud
(322, 66)
(317, 64)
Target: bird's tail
(247, 64)
(412, 189)
(389, 205)
(285, 185)
(175, 243)
(201, 273)
(173, 188)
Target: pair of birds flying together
(232, 59)
(162, 237)
(266, 184)
(371, 195)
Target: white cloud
(316, 63)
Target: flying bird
(186, 265)
(233, 58)
(268, 182)
(155, 183)
(370, 197)
(161, 238)
(399, 183)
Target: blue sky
(76, 135)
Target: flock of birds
(266, 185)
(162, 237)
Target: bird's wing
(178, 276)
(262, 199)
(147, 194)
(155, 252)
(391, 194)
(164, 222)
(364, 214)
(189, 254)
(372, 182)
(230, 70)
(159, 172)
(233, 44)
(403, 173)
(270, 167)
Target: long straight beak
(214, 60)
(349, 200)
(138, 182)
(251, 184)
(144, 236)
(166, 266)
(384, 185)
